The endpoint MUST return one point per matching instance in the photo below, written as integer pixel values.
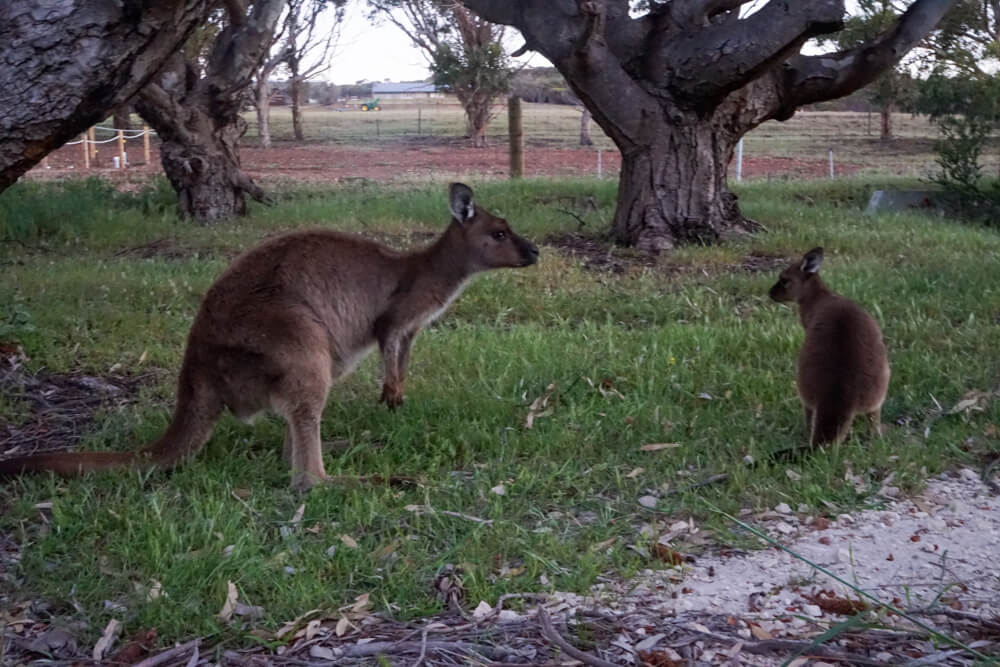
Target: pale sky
(379, 52)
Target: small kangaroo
(843, 365)
(296, 313)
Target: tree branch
(706, 64)
(808, 79)
(698, 13)
(507, 12)
(239, 50)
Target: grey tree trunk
(585, 139)
(477, 117)
(198, 117)
(199, 151)
(263, 95)
(76, 61)
(296, 87)
(886, 114)
(675, 191)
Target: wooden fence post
(86, 150)
(121, 149)
(516, 132)
(145, 142)
(92, 136)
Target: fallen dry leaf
(668, 555)
(361, 604)
(230, 606)
(759, 632)
(289, 626)
(297, 517)
(657, 446)
(387, 550)
(600, 546)
(829, 602)
(537, 408)
(349, 541)
(635, 473)
(135, 649)
(103, 644)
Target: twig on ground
(553, 636)
(166, 656)
(468, 517)
(708, 481)
(580, 221)
(245, 504)
(395, 648)
(993, 624)
(423, 649)
(804, 649)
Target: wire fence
(415, 140)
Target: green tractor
(371, 106)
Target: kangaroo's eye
(784, 282)
(499, 235)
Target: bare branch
(708, 63)
(808, 79)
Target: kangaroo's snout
(529, 251)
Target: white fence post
(831, 163)
(739, 160)
(599, 165)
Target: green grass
(662, 339)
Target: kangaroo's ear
(460, 201)
(811, 260)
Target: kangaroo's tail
(830, 425)
(198, 408)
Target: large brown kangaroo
(292, 316)
(843, 365)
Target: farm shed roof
(405, 87)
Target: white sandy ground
(940, 547)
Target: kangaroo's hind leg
(875, 417)
(299, 397)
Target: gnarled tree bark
(676, 88)
(66, 64)
(198, 117)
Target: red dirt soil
(401, 161)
